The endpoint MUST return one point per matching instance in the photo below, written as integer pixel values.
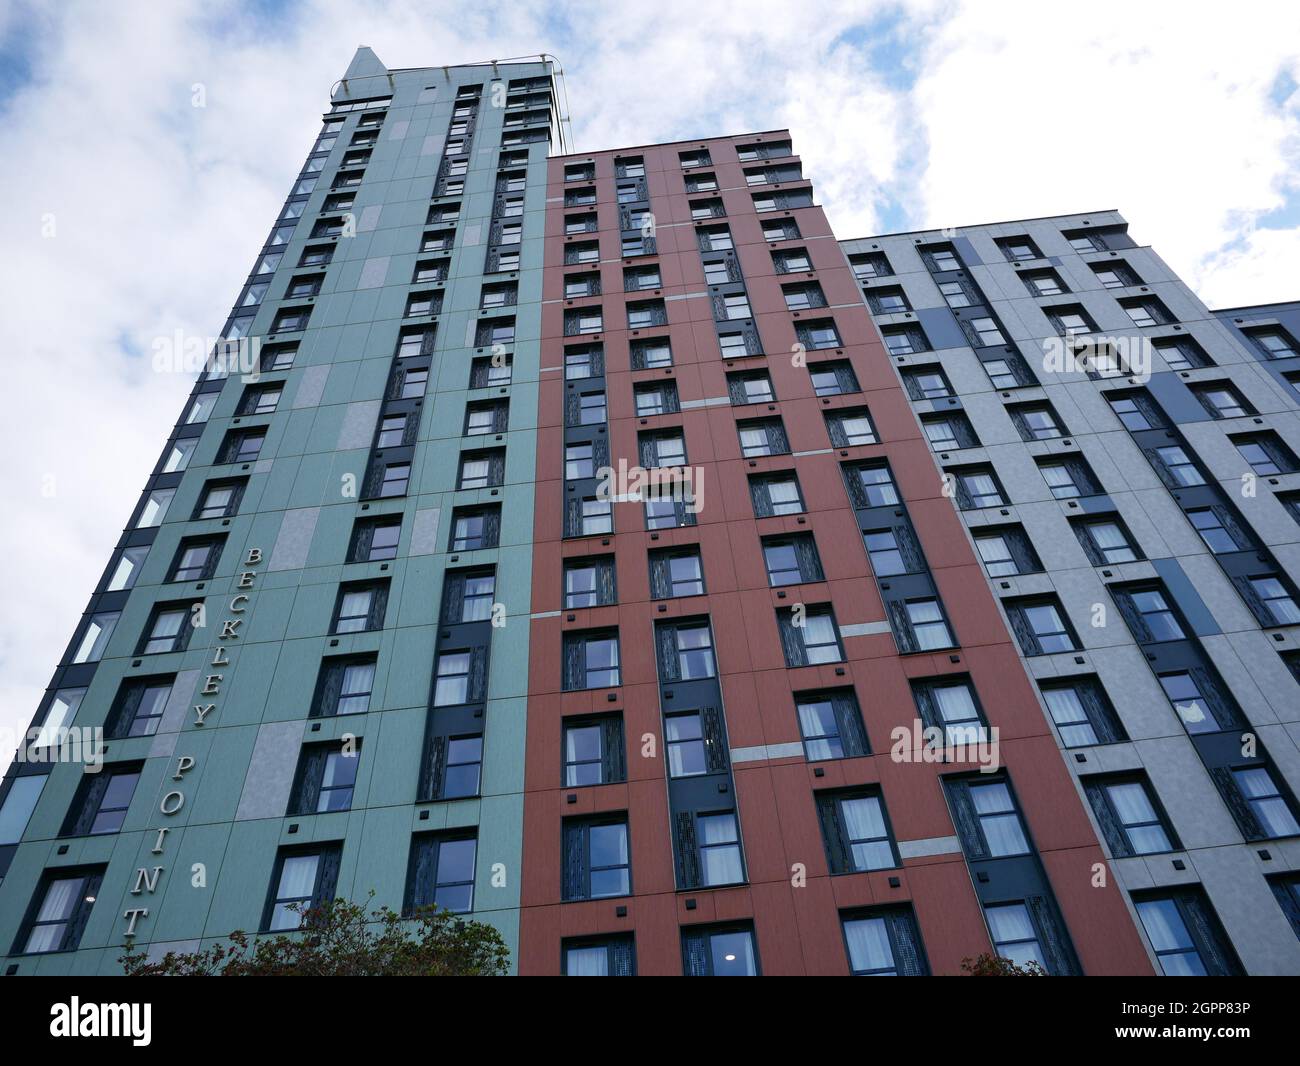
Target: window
(1185, 934)
(720, 272)
(1197, 700)
(715, 238)
(984, 332)
(1147, 311)
(1222, 400)
(491, 371)
(1069, 478)
(775, 494)
(196, 559)
(1082, 712)
(831, 725)
(1278, 604)
(1015, 248)
(168, 630)
(1181, 470)
(651, 354)
(1114, 274)
(292, 318)
(888, 301)
(791, 560)
(388, 479)
(325, 779)
(1009, 373)
(833, 379)
(201, 408)
(656, 399)
(1006, 551)
(752, 387)
(1128, 815)
(991, 812)
(590, 409)
(920, 625)
(727, 308)
(597, 859)
(1044, 283)
(486, 418)
(809, 637)
(584, 361)
(676, 572)
(589, 581)
(441, 872)
(955, 293)
(593, 751)
(849, 427)
(591, 517)
(220, 499)
(612, 956)
(872, 486)
(806, 295)
(481, 470)
(128, 569)
(375, 539)
(178, 455)
(413, 382)
(59, 910)
(662, 449)
(884, 942)
(817, 334)
(591, 660)
(1106, 541)
(101, 801)
(344, 686)
(719, 951)
(1273, 342)
(977, 487)
(646, 277)
(718, 836)
(138, 708)
(1181, 353)
(1014, 934)
(762, 436)
(780, 229)
(583, 320)
(579, 461)
(949, 432)
(1266, 453)
(1035, 421)
(302, 881)
(1040, 627)
(685, 651)
(855, 831)
(1148, 614)
(867, 265)
(18, 805)
(360, 607)
(950, 705)
(791, 260)
(242, 445)
(474, 528)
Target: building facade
(577, 555)
(1136, 515)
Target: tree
(997, 966)
(340, 939)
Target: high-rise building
(1123, 460)
(553, 538)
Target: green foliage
(340, 939)
(988, 965)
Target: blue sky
(130, 213)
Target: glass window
(718, 836)
(1175, 950)
(999, 819)
(929, 628)
(95, 638)
(1013, 934)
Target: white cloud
(160, 207)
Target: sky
(131, 213)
